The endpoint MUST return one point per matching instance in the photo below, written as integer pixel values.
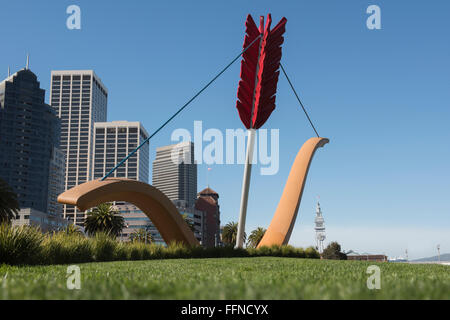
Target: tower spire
(9, 72)
(28, 62)
(319, 228)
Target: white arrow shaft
(245, 188)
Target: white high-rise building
(175, 172)
(113, 142)
(320, 229)
(80, 99)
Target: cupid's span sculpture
(256, 94)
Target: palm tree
(141, 235)
(9, 205)
(229, 234)
(104, 219)
(72, 229)
(255, 237)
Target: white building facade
(80, 99)
(175, 172)
(113, 141)
(319, 228)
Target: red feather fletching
(259, 72)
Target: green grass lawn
(227, 278)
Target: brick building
(208, 202)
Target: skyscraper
(56, 182)
(175, 172)
(113, 141)
(79, 99)
(29, 136)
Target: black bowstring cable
(179, 110)
(301, 104)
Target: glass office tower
(175, 172)
(29, 136)
(80, 99)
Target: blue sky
(381, 96)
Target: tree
(229, 234)
(255, 237)
(72, 229)
(9, 205)
(104, 219)
(333, 252)
(141, 235)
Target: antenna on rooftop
(28, 62)
(9, 72)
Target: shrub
(62, 248)
(121, 252)
(240, 252)
(156, 251)
(146, 252)
(177, 250)
(289, 251)
(20, 245)
(199, 252)
(311, 253)
(135, 252)
(275, 250)
(27, 245)
(251, 252)
(139, 251)
(263, 251)
(104, 247)
(282, 251)
(214, 252)
(300, 253)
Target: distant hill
(444, 257)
